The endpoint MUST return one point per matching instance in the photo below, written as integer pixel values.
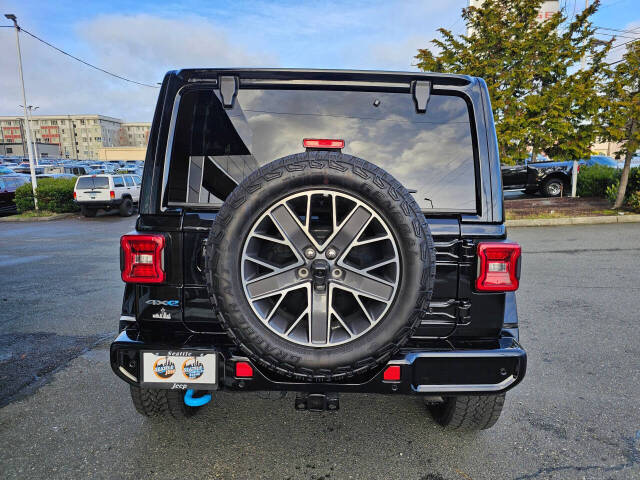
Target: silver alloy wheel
(333, 296)
(554, 188)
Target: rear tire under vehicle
(468, 412)
(88, 212)
(126, 208)
(161, 403)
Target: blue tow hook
(196, 402)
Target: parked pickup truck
(321, 232)
(550, 178)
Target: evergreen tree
(621, 114)
(540, 98)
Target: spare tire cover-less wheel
(320, 265)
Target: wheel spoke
(351, 229)
(290, 228)
(319, 325)
(379, 264)
(366, 285)
(344, 325)
(272, 284)
(363, 308)
(296, 322)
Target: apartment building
(134, 134)
(79, 137)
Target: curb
(57, 216)
(544, 222)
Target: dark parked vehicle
(8, 186)
(321, 232)
(550, 178)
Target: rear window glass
(92, 183)
(431, 153)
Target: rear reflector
(392, 373)
(322, 143)
(498, 267)
(244, 370)
(142, 258)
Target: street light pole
(34, 185)
(30, 109)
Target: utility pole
(30, 109)
(34, 185)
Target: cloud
(372, 34)
(140, 47)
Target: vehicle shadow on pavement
(82, 424)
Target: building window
(82, 122)
(9, 149)
(54, 122)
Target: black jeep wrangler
(321, 231)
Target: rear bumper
(444, 368)
(99, 203)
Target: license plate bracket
(179, 369)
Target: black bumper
(443, 368)
(106, 204)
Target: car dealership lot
(576, 414)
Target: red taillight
(112, 194)
(75, 195)
(244, 370)
(391, 374)
(142, 258)
(322, 143)
(498, 267)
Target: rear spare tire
(320, 265)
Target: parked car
(55, 175)
(79, 170)
(289, 232)
(8, 186)
(94, 192)
(550, 178)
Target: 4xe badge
(164, 368)
(165, 303)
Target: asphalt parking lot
(65, 415)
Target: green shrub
(634, 180)
(593, 181)
(24, 198)
(54, 195)
(612, 192)
(633, 186)
(633, 201)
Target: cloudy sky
(142, 40)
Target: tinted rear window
(431, 153)
(92, 183)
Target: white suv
(93, 192)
